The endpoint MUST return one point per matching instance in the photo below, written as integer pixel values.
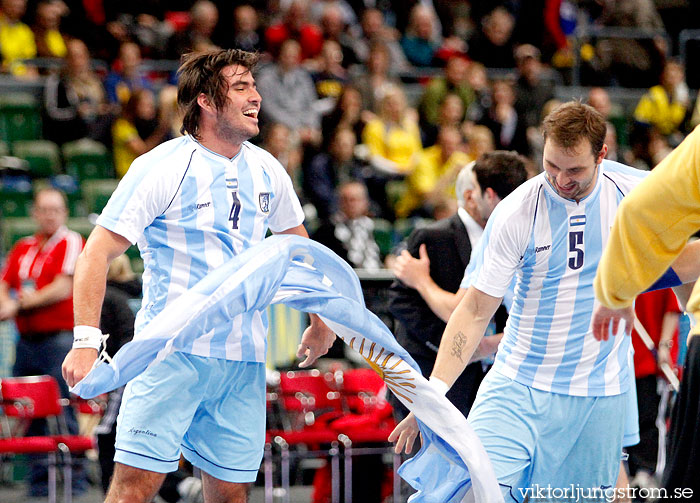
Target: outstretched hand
(405, 434)
(315, 342)
(604, 316)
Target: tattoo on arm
(458, 345)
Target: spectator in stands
(334, 27)
(373, 30)
(478, 80)
(16, 39)
(167, 104)
(320, 7)
(127, 76)
(493, 44)
(450, 114)
(39, 271)
(284, 145)
(453, 81)
(420, 43)
(507, 126)
(329, 169)
(329, 77)
(479, 140)
(534, 86)
(631, 62)
(433, 179)
(347, 114)
(296, 26)
(599, 99)
(247, 35)
(127, 142)
(75, 100)
(47, 35)
(289, 94)
(695, 118)
(665, 105)
(393, 138)
(350, 231)
(204, 16)
(374, 84)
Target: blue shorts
(211, 410)
(536, 439)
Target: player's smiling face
(238, 120)
(572, 171)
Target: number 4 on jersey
(235, 210)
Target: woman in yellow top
(433, 180)
(127, 142)
(393, 138)
(664, 106)
(49, 40)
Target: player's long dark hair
(201, 72)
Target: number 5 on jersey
(235, 210)
(575, 249)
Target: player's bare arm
(686, 267)
(89, 283)
(462, 335)
(317, 339)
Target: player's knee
(133, 485)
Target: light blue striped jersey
(552, 246)
(190, 210)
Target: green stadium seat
(15, 228)
(96, 193)
(20, 117)
(384, 235)
(87, 159)
(43, 156)
(81, 225)
(15, 203)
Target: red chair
(369, 420)
(306, 403)
(37, 397)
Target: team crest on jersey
(264, 199)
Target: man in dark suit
(430, 271)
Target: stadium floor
(17, 494)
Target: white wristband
(85, 336)
(439, 385)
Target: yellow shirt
(398, 144)
(123, 132)
(655, 108)
(426, 176)
(16, 42)
(652, 225)
(55, 43)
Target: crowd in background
(372, 106)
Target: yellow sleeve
(652, 225)
(373, 137)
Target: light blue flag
(452, 465)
